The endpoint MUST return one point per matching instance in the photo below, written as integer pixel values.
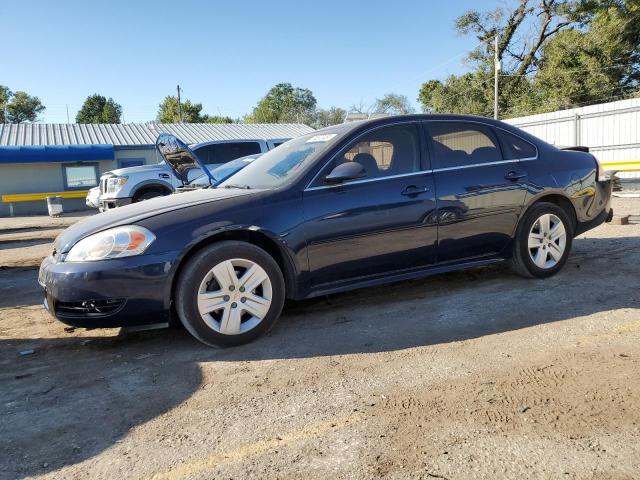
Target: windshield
(224, 171)
(282, 164)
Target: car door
(377, 224)
(480, 194)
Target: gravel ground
(476, 374)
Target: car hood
(130, 214)
(180, 158)
(145, 169)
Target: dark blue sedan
(349, 206)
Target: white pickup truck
(134, 184)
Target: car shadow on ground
(76, 396)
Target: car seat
(369, 163)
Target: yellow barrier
(31, 197)
(622, 166)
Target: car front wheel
(543, 241)
(148, 195)
(229, 293)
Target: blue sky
(226, 54)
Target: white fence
(610, 130)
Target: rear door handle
(413, 190)
(513, 175)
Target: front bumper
(110, 203)
(124, 292)
(92, 203)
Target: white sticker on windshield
(321, 138)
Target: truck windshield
(282, 164)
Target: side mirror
(345, 171)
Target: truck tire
(147, 194)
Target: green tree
(5, 93)
(326, 118)
(457, 94)
(285, 104)
(23, 107)
(580, 66)
(191, 112)
(97, 109)
(554, 54)
(393, 104)
(112, 112)
(217, 119)
(360, 107)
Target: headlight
(115, 183)
(113, 243)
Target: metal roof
(140, 134)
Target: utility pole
(496, 69)
(179, 106)
(67, 112)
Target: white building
(610, 130)
(39, 160)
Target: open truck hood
(180, 158)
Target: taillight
(602, 175)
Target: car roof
(365, 124)
(409, 117)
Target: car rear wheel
(543, 241)
(229, 293)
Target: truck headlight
(116, 242)
(115, 183)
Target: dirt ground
(477, 374)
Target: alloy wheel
(547, 241)
(234, 296)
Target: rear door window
(515, 148)
(460, 144)
(219, 153)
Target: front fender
(251, 234)
(146, 183)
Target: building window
(81, 176)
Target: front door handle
(513, 175)
(413, 190)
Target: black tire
(521, 262)
(147, 195)
(195, 271)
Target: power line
(622, 96)
(611, 67)
(179, 105)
